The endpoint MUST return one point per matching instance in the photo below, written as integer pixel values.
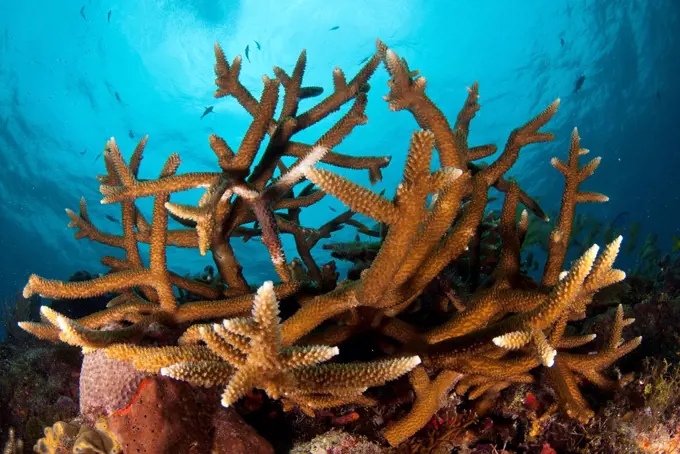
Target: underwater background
(70, 81)
(73, 74)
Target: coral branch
(435, 229)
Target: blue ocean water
(74, 74)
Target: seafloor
(40, 380)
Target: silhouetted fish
(309, 92)
(82, 12)
(118, 97)
(621, 219)
(356, 238)
(132, 136)
(112, 219)
(334, 28)
(364, 60)
(258, 45)
(579, 83)
(333, 209)
(108, 17)
(658, 95)
(84, 151)
(562, 41)
(97, 157)
(247, 53)
(207, 110)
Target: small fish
(132, 136)
(207, 110)
(334, 28)
(579, 83)
(247, 53)
(620, 220)
(364, 60)
(112, 219)
(118, 97)
(108, 17)
(356, 238)
(676, 244)
(309, 92)
(333, 209)
(95, 159)
(658, 95)
(258, 45)
(562, 41)
(365, 88)
(84, 151)
(82, 12)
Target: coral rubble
(505, 329)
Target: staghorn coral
(217, 217)
(429, 394)
(13, 446)
(247, 353)
(506, 328)
(641, 417)
(447, 430)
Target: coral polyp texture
(247, 353)
(506, 329)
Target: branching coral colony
(500, 335)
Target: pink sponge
(106, 385)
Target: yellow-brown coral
(246, 353)
(13, 446)
(502, 332)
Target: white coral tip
(549, 359)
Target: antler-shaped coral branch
(244, 353)
(430, 396)
(409, 226)
(589, 366)
(509, 325)
(216, 217)
(574, 176)
(378, 287)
